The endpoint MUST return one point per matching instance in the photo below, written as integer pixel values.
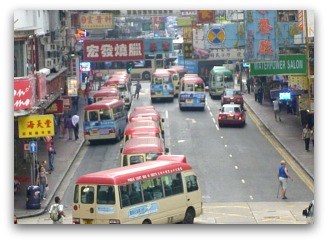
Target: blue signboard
(261, 35)
(33, 147)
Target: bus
(141, 69)
(141, 149)
(220, 79)
(124, 88)
(105, 92)
(141, 127)
(181, 72)
(175, 80)
(152, 114)
(104, 120)
(154, 192)
(161, 86)
(192, 92)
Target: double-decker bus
(220, 79)
(192, 92)
(141, 69)
(105, 119)
(161, 86)
(165, 191)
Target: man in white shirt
(75, 122)
(276, 109)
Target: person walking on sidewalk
(138, 88)
(60, 209)
(69, 127)
(75, 122)
(51, 155)
(276, 109)
(306, 135)
(283, 176)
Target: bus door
(161, 86)
(84, 199)
(192, 188)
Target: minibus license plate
(87, 221)
(158, 93)
(94, 131)
(189, 100)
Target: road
(236, 167)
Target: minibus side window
(191, 182)
(105, 194)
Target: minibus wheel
(189, 217)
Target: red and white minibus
(141, 149)
(154, 192)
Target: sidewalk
(66, 153)
(288, 133)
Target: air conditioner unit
(49, 63)
(45, 71)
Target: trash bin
(33, 199)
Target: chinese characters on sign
(261, 28)
(36, 126)
(72, 86)
(96, 21)
(24, 93)
(205, 16)
(187, 51)
(114, 50)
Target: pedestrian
(48, 140)
(306, 135)
(69, 127)
(260, 95)
(60, 209)
(248, 84)
(137, 90)
(276, 109)
(42, 182)
(87, 93)
(256, 88)
(312, 136)
(75, 122)
(283, 176)
(62, 127)
(51, 156)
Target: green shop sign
(286, 65)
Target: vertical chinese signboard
(36, 126)
(24, 93)
(113, 50)
(261, 40)
(72, 86)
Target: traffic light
(129, 67)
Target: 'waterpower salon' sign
(286, 65)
